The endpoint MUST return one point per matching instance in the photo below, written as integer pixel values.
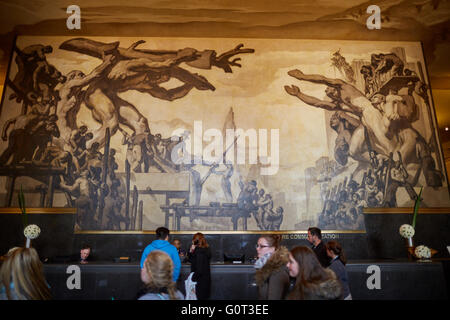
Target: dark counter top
(219, 263)
(399, 279)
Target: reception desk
(121, 281)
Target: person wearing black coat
(315, 238)
(338, 261)
(199, 256)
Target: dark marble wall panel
(56, 236)
(382, 240)
(398, 280)
(385, 242)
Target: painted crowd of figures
(374, 128)
(47, 133)
(259, 204)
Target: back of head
(316, 232)
(162, 233)
(273, 240)
(201, 240)
(23, 268)
(336, 248)
(159, 267)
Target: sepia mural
(218, 134)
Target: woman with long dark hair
(313, 282)
(338, 261)
(199, 256)
(271, 274)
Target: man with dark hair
(85, 253)
(162, 243)
(181, 251)
(315, 238)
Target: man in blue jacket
(162, 243)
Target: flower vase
(410, 248)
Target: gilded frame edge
(407, 210)
(12, 210)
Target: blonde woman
(22, 276)
(157, 276)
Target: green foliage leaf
(21, 200)
(416, 207)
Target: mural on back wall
(218, 134)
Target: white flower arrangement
(32, 231)
(422, 252)
(407, 231)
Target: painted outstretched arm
(155, 60)
(295, 91)
(132, 67)
(223, 61)
(315, 78)
(135, 61)
(107, 61)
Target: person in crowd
(313, 282)
(85, 254)
(199, 256)
(22, 276)
(271, 273)
(181, 252)
(157, 277)
(315, 238)
(162, 243)
(338, 261)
